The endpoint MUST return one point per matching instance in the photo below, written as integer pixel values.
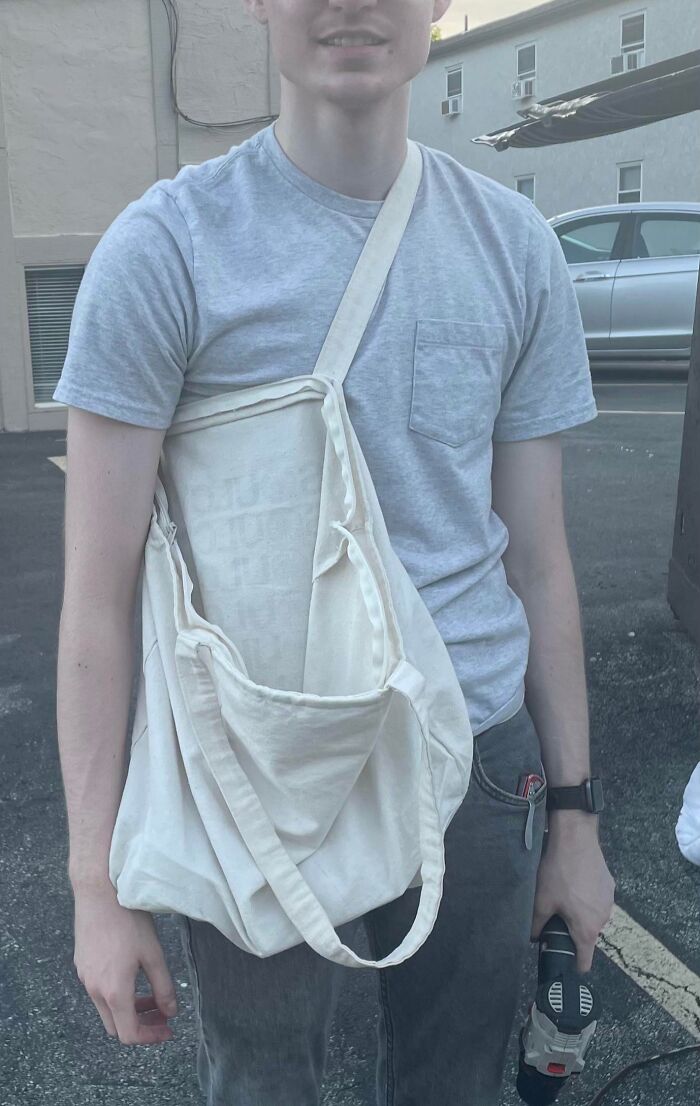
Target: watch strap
(583, 796)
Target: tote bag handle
(195, 666)
(371, 270)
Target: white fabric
(688, 824)
(301, 741)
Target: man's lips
(363, 48)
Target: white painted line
(60, 461)
(653, 968)
(638, 383)
(613, 412)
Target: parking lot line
(639, 383)
(653, 968)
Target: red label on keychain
(529, 785)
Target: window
(632, 41)
(589, 240)
(454, 81)
(526, 187)
(51, 294)
(668, 236)
(526, 61)
(632, 32)
(629, 183)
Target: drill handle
(557, 951)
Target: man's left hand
(573, 881)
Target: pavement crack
(644, 973)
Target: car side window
(668, 236)
(589, 240)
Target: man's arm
(527, 495)
(110, 481)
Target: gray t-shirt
(230, 274)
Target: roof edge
(500, 28)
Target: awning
(635, 99)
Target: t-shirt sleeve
(131, 330)
(549, 387)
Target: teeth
(352, 42)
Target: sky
(479, 11)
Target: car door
(593, 246)
(653, 301)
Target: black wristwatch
(585, 796)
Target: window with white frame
(632, 33)
(526, 60)
(526, 187)
(454, 81)
(629, 183)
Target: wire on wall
(174, 29)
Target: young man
(473, 362)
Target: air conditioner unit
(623, 63)
(452, 105)
(523, 88)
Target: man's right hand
(111, 943)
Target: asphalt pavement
(621, 474)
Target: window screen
(51, 296)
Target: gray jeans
(445, 1014)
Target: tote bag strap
(195, 666)
(371, 271)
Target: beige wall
(87, 125)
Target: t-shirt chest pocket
(457, 372)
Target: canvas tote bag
(300, 741)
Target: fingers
(131, 1029)
(585, 939)
(134, 1019)
(148, 1011)
(584, 954)
(159, 977)
(105, 1013)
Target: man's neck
(357, 157)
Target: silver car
(635, 271)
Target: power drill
(561, 1023)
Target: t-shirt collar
(350, 205)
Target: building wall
(571, 51)
(87, 125)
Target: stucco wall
(87, 125)
(80, 111)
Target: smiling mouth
(343, 44)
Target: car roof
(644, 205)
